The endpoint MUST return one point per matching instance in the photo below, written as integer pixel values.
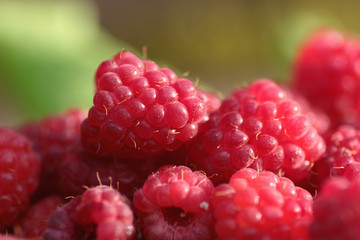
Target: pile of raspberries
(156, 157)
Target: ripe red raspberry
(318, 118)
(260, 127)
(79, 169)
(141, 109)
(51, 138)
(99, 213)
(19, 167)
(34, 221)
(211, 100)
(327, 73)
(261, 205)
(213, 104)
(336, 211)
(174, 204)
(342, 157)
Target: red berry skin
(79, 169)
(51, 138)
(148, 109)
(11, 237)
(318, 118)
(174, 204)
(19, 167)
(34, 221)
(260, 127)
(326, 72)
(261, 205)
(341, 157)
(100, 211)
(336, 211)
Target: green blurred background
(49, 50)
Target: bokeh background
(49, 50)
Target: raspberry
(10, 237)
(342, 157)
(34, 222)
(260, 127)
(212, 103)
(19, 167)
(79, 168)
(51, 138)
(318, 118)
(336, 211)
(141, 109)
(326, 72)
(174, 204)
(261, 205)
(99, 213)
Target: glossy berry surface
(259, 127)
(51, 138)
(34, 221)
(342, 157)
(336, 211)
(327, 73)
(19, 167)
(261, 205)
(174, 204)
(140, 108)
(318, 118)
(99, 213)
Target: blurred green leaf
(291, 33)
(49, 53)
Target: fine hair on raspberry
(141, 108)
(174, 204)
(99, 213)
(259, 127)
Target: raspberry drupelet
(79, 168)
(51, 138)
(19, 167)
(34, 221)
(336, 211)
(261, 205)
(174, 204)
(342, 157)
(140, 108)
(259, 127)
(327, 73)
(55, 132)
(318, 118)
(99, 213)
